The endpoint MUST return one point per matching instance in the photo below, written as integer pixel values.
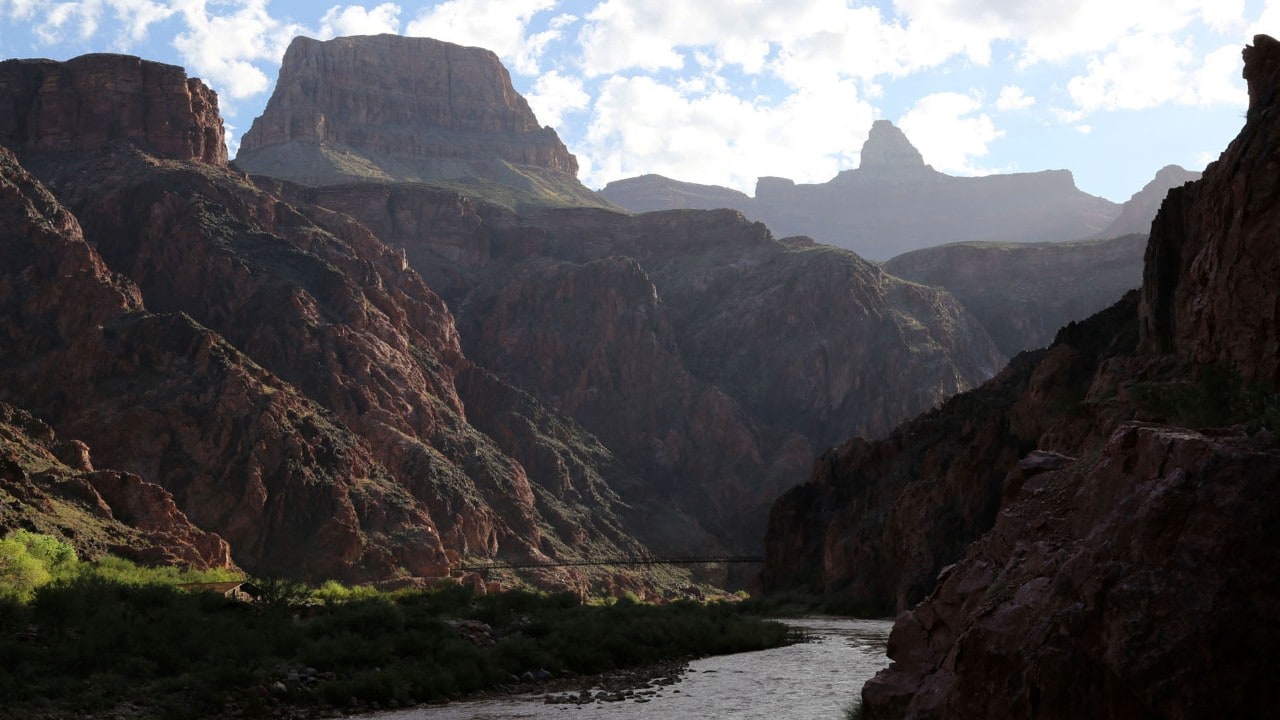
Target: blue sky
(724, 91)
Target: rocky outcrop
(393, 108)
(1209, 290)
(639, 328)
(1138, 211)
(1126, 571)
(648, 193)
(50, 486)
(1022, 293)
(284, 376)
(441, 233)
(894, 203)
(887, 148)
(1137, 584)
(164, 398)
(93, 101)
(877, 521)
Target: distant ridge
(1138, 212)
(894, 203)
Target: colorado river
(809, 681)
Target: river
(809, 681)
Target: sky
(725, 91)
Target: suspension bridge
(646, 560)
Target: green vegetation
(80, 638)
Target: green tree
(57, 556)
(20, 572)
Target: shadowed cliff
(1110, 553)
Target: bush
(20, 571)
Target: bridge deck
(616, 561)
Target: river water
(809, 681)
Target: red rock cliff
(285, 377)
(91, 101)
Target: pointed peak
(888, 147)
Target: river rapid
(809, 681)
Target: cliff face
(1132, 585)
(1022, 293)
(92, 101)
(396, 108)
(49, 485)
(1127, 569)
(646, 331)
(284, 376)
(266, 353)
(877, 521)
(894, 203)
(1209, 285)
(164, 398)
(648, 193)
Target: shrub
(20, 571)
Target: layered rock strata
(401, 109)
(49, 485)
(286, 377)
(646, 331)
(92, 101)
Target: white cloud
(82, 16)
(796, 40)
(137, 17)
(80, 21)
(360, 20)
(1146, 71)
(1084, 129)
(1013, 97)
(1218, 80)
(497, 25)
(641, 125)
(1055, 30)
(223, 47)
(554, 95)
(949, 131)
(23, 9)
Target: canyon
(396, 336)
(1090, 533)
(373, 378)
